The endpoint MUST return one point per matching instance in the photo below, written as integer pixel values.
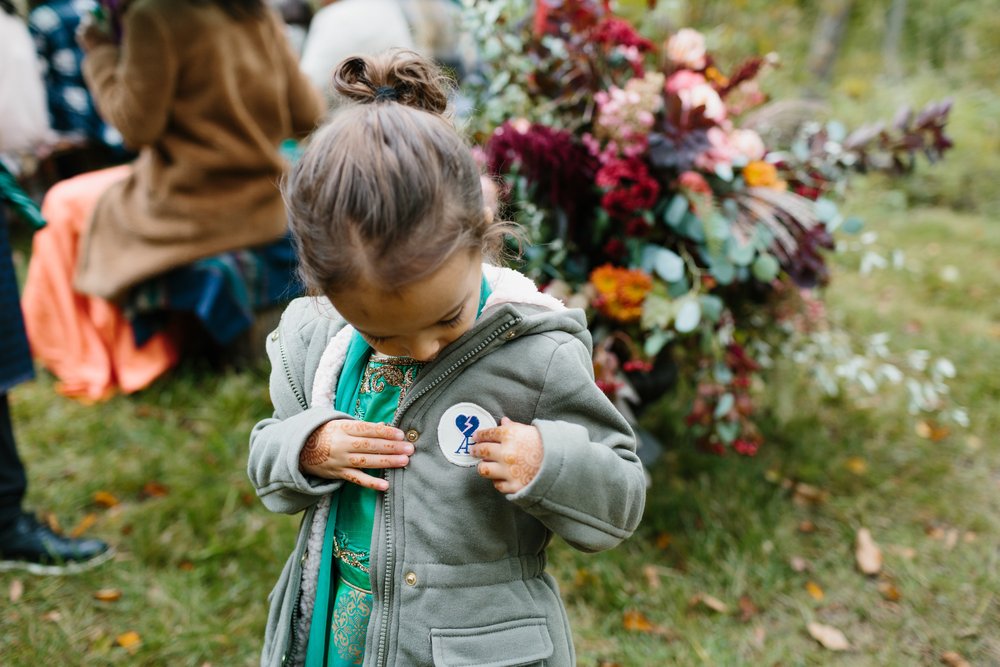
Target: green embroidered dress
(371, 388)
(344, 598)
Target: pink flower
(748, 144)
(719, 152)
(686, 48)
(694, 182)
(704, 95)
(684, 79)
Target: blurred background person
(342, 28)
(86, 140)
(206, 90)
(297, 15)
(25, 542)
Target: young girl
(436, 417)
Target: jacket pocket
(525, 641)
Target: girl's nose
(425, 349)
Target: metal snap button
(412, 435)
(510, 335)
(410, 579)
(274, 335)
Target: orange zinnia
(760, 174)
(620, 292)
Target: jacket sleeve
(133, 86)
(591, 488)
(275, 442)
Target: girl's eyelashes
(376, 340)
(455, 321)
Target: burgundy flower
(629, 187)
(619, 32)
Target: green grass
(195, 565)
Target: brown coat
(207, 99)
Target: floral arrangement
(654, 198)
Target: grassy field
(197, 554)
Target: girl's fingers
(482, 451)
(376, 446)
(364, 479)
(356, 460)
(362, 429)
(494, 434)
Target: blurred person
(343, 28)
(297, 15)
(206, 90)
(53, 25)
(25, 542)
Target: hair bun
(397, 75)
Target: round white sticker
(456, 428)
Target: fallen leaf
(867, 553)
(807, 526)
(951, 538)
(815, 591)
(807, 494)
(608, 663)
(759, 635)
(86, 523)
(969, 537)
(953, 659)
(829, 637)
(799, 564)
(52, 616)
(663, 540)
(857, 465)
(909, 553)
(105, 499)
(928, 430)
(747, 608)
(187, 566)
(154, 490)
(108, 594)
(888, 591)
(16, 590)
(636, 621)
(652, 574)
(974, 443)
(130, 641)
(52, 521)
(713, 603)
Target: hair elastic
(386, 93)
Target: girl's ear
(488, 214)
(490, 194)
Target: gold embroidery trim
(352, 558)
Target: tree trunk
(893, 36)
(831, 25)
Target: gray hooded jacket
(457, 568)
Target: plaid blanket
(222, 291)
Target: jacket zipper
(386, 504)
(298, 580)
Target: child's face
(424, 317)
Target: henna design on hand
(527, 460)
(314, 452)
(358, 461)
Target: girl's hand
(511, 453)
(339, 449)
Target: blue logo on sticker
(467, 425)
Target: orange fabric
(84, 341)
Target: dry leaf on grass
(888, 591)
(636, 621)
(16, 590)
(663, 540)
(867, 553)
(856, 465)
(828, 636)
(807, 526)
(799, 564)
(909, 553)
(951, 538)
(86, 523)
(931, 431)
(154, 490)
(713, 603)
(747, 608)
(108, 594)
(130, 641)
(652, 574)
(953, 659)
(52, 616)
(105, 499)
(815, 591)
(807, 494)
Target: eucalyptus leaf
(711, 307)
(826, 210)
(679, 205)
(688, 315)
(766, 268)
(724, 171)
(725, 404)
(657, 312)
(723, 374)
(666, 263)
(741, 254)
(723, 271)
(655, 342)
(679, 288)
(718, 227)
(853, 225)
(727, 430)
(693, 228)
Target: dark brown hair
(238, 9)
(387, 190)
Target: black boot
(30, 545)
